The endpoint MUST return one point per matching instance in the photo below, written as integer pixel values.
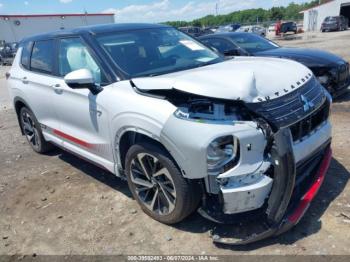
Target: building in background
(314, 17)
(15, 27)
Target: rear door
(37, 79)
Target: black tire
(188, 193)
(34, 137)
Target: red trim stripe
(72, 139)
(309, 196)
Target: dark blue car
(332, 71)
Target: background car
(228, 28)
(287, 27)
(194, 31)
(272, 27)
(255, 29)
(8, 52)
(334, 23)
(332, 71)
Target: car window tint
(42, 56)
(25, 57)
(74, 55)
(155, 51)
(221, 45)
(252, 43)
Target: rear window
(42, 57)
(25, 58)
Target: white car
(272, 28)
(259, 30)
(185, 127)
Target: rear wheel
(158, 185)
(32, 131)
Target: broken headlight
(324, 80)
(222, 154)
(205, 110)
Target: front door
(84, 123)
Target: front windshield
(150, 52)
(253, 43)
(330, 19)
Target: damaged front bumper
(289, 198)
(274, 190)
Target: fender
(130, 121)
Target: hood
(249, 79)
(309, 57)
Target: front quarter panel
(187, 142)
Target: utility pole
(216, 8)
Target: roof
(96, 29)
(327, 2)
(55, 15)
(225, 34)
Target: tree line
(251, 16)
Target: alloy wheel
(30, 130)
(153, 184)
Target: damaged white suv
(186, 128)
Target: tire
(176, 201)
(32, 131)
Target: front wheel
(158, 185)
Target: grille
(293, 107)
(310, 123)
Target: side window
(25, 56)
(221, 45)
(74, 55)
(42, 57)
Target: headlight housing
(222, 154)
(324, 80)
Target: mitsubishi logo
(307, 105)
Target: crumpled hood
(250, 79)
(309, 57)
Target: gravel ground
(59, 204)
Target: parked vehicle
(331, 71)
(334, 23)
(155, 106)
(259, 30)
(228, 28)
(194, 31)
(272, 27)
(287, 27)
(7, 53)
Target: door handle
(57, 88)
(25, 80)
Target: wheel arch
(132, 136)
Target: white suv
(187, 129)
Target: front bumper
(290, 210)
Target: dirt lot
(59, 204)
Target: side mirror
(81, 79)
(232, 52)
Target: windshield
(330, 19)
(253, 43)
(150, 52)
